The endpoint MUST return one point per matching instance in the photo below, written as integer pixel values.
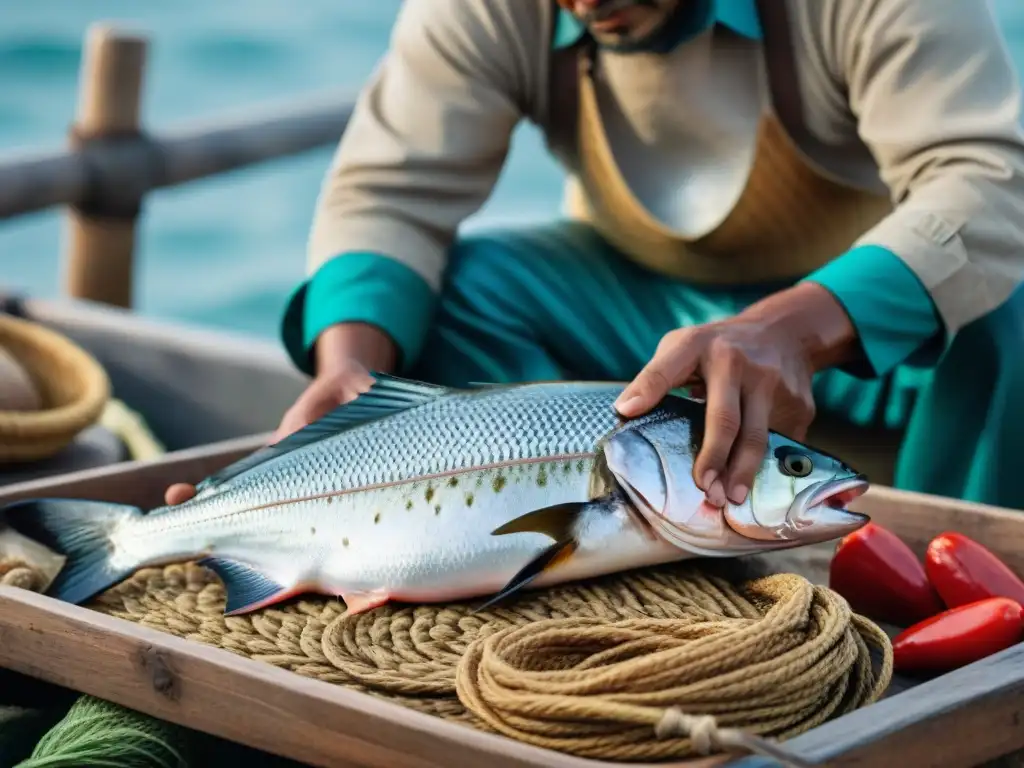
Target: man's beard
(633, 37)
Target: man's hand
(344, 354)
(326, 392)
(756, 371)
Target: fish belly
(431, 540)
(425, 540)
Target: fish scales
(383, 492)
(420, 493)
(457, 433)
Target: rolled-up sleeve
(937, 101)
(359, 288)
(895, 318)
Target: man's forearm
(810, 315)
(367, 344)
(364, 289)
(892, 315)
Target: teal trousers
(557, 301)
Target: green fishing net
(46, 726)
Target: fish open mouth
(839, 494)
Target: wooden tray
(961, 719)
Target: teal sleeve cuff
(893, 314)
(358, 288)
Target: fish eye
(797, 464)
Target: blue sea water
(226, 251)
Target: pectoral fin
(558, 522)
(552, 557)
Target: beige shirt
(916, 99)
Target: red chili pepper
(963, 571)
(959, 636)
(882, 578)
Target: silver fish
(420, 493)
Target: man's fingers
(721, 425)
(360, 379)
(795, 420)
(649, 387)
(294, 419)
(696, 389)
(673, 363)
(749, 448)
(321, 397)
(178, 493)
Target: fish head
(799, 494)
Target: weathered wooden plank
(139, 483)
(963, 718)
(246, 701)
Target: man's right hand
(344, 356)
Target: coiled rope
(18, 573)
(793, 658)
(664, 663)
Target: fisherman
(806, 207)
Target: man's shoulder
(502, 44)
(848, 20)
(518, 24)
(840, 33)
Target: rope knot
(705, 737)
(16, 573)
(702, 730)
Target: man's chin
(624, 23)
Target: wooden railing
(111, 161)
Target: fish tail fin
(558, 522)
(80, 531)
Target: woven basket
(73, 386)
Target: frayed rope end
(706, 737)
(702, 730)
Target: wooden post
(101, 238)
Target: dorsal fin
(388, 395)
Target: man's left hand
(756, 371)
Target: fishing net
(52, 727)
(664, 663)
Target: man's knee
(498, 271)
(511, 260)
(1004, 325)
(991, 345)
(484, 274)
(484, 260)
